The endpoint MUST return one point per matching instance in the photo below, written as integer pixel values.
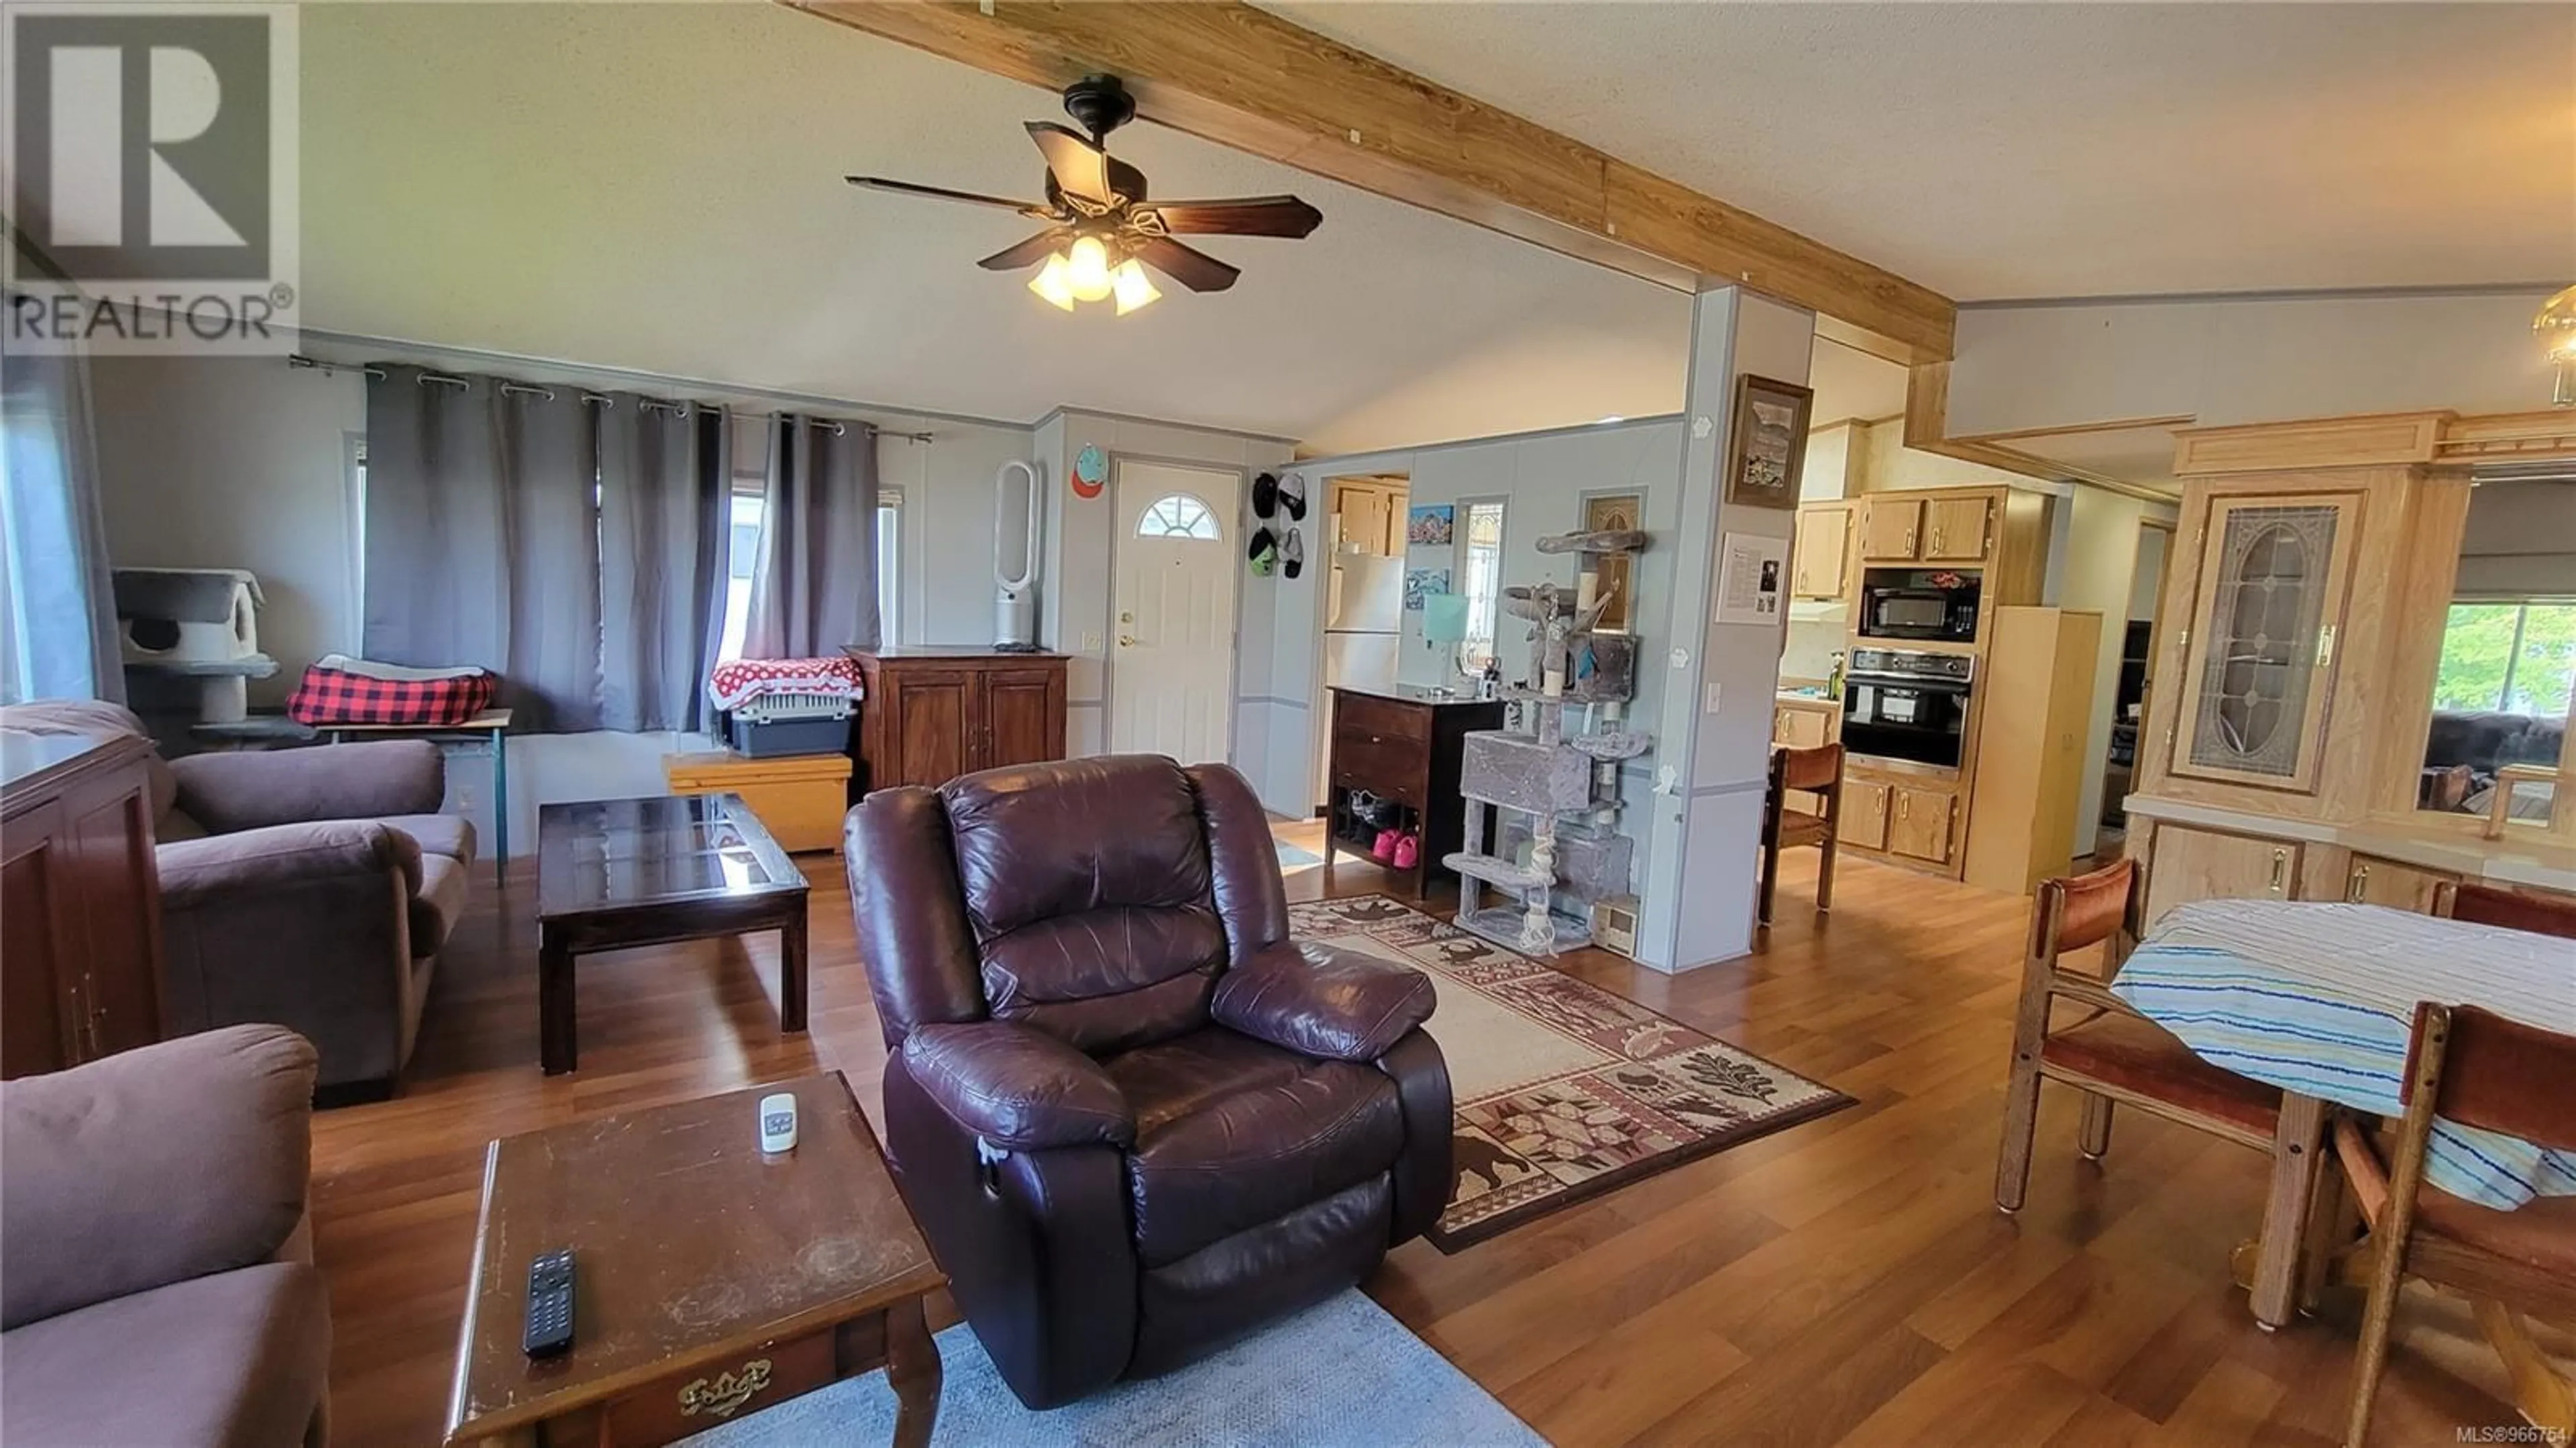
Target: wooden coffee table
(624, 872)
(710, 1281)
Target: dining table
(2319, 1000)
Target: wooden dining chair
(1819, 771)
(2477, 1069)
(2106, 1049)
(2487, 905)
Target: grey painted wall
(1542, 479)
(243, 462)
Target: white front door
(1171, 671)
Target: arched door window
(1178, 516)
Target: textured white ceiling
(659, 187)
(2050, 150)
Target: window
(2510, 658)
(1484, 583)
(742, 555)
(2500, 706)
(353, 457)
(1178, 516)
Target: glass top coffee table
(625, 872)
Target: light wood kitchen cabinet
(1919, 825)
(2370, 880)
(2196, 864)
(2038, 687)
(1821, 565)
(1957, 530)
(1889, 527)
(1864, 818)
(1796, 726)
(2258, 663)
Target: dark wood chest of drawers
(80, 901)
(1404, 748)
(932, 714)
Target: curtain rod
(650, 404)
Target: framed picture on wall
(1768, 442)
(1605, 513)
(1432, 525)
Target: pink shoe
(1408, 852)
(1384, 849)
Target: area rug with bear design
(1562, 1090)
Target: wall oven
(1918, 603)
(1905, 704)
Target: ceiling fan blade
(1081, 168)
(1027, 253)
(1243, 216)
(1196, 270)
(942, 193)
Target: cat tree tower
(1557, 850)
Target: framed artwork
(1606, 512)
(1432, 525)
(1768, 442)
(1420, 581)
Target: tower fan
(1015, 558)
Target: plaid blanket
(343, 690)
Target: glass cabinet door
(2260, 659)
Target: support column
(1713, 739)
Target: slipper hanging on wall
(1292, 554)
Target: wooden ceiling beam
(1247, 79)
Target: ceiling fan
(1100, 224)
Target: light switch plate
(1710, 696)
(1091, 641)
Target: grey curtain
(482, 538)
(58, 637)
(814, 588)
(665, 491)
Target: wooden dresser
(1403, 744)
(936, 712)
(80, 900)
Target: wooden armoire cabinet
(934, 713)
(80, 901)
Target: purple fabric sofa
(310, 888)
(156, 1275)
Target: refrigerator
(1363, 607)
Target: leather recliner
(1135, 1119)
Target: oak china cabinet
(2311, 585)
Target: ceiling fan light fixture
(1132, 287)
(1052, 284)
(1087, 269)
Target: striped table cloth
(2319, 999)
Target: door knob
(1126, 641)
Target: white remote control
(778, 1122)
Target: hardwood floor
(1846, 1282)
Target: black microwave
(1919, 603)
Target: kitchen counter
(2500, 862)
(1409, 694)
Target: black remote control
(549, 1330)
